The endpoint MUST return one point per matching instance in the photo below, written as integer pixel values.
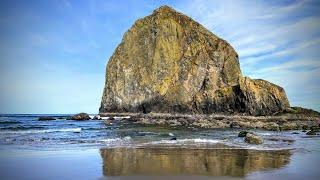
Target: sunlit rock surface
(169, 63)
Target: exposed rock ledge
(273, 123)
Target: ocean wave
(40, 131)
(121, 117)
(94, 128)
(19, 128)
(10, 122)
(264, 133)
(124, 140)
(147, 133)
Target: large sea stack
(169, 63)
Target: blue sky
(53, 53)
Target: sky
(53, 53)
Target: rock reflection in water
(180, 161)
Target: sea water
(94, 149)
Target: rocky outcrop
(253, 139)
(216, 121)
(169, 63)
(242, 133)
(80, 117)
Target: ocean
(95, 149)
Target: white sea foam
(121, 117)
(126, 139)
(148, 133)
(42, 131)
(264, 133)
(187, 141)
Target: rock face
(167, 62)
(80, 117)
(253, 139)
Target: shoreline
(218, 121)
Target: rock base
(214, 121)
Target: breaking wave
(18, 131)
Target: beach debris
(253, 139)
(173, 139)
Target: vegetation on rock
(169, 63)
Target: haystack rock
(169, 63)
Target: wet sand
(62, 149)
(185, 161)
(162, 163)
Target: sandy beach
(96, 149)
(161, 163)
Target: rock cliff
(167, 62)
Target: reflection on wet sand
(180, 161)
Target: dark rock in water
(311, 133)
(61, 117)
(305, 127)
(80, 116)
(295, 133)
(290, 141)
(242, 133)
(304, 130)
(169, 63)
(173, 139)
(253, 139)
(46, 118)
(234, 125)
(315, 128)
